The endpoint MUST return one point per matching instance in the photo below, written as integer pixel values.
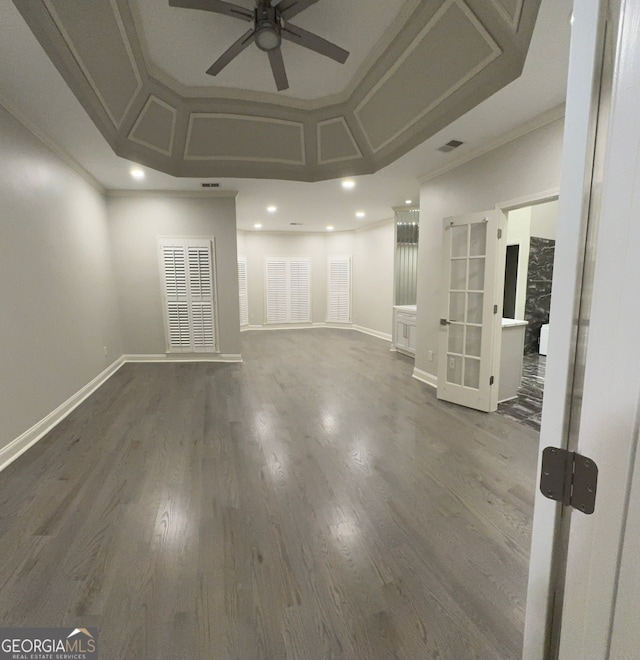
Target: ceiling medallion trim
(337, 120)
(496, 51)
(92, 83)
(174, 114)
(248, 118)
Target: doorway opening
(528, 281)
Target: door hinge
(491, 380)
(495, 309)
(569, 478)
(499, 233)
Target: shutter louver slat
(276, 291)
(288, 296)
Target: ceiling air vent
(296, 224)
(210, 185)
(450, 146)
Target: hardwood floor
(313, 502)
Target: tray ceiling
(136, 67)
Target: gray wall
(136, 222)
(58, 304)
(372, 270)
(525, 166)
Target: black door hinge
(491, 380)
(569, 478)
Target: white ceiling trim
(495, 52)
(172, 193)
(174, 113)
(60, 25)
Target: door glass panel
(476, 274)
(472, 373)
(478, 246)
(456, 307)
(454, 369)
(474, 308)
(459, 241)
(458, 274)
(474, 340)
(455, 338)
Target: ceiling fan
(270, 26)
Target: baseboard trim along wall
(313, 326)
(17, 447)
(183, 357)
(425, 377)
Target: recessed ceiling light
(360, 214)
(330, 228)
(137, 173)
(272, 209)
(408, 201)
(348, 184)
(257, 226)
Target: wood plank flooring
(313, 502)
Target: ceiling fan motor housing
(267, 31)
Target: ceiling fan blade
(290, 8)
(231, 52)
(312, 41)
(277, 66)
(216, 6)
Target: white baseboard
(183, 357)
(17, 447)
(374, 333)
(425, 377)
(314, 326)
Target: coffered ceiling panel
(432, 61)
(95, 38)
(431, 69)
(510, 10)
(336, 142)
(155, 127)
(257, 139)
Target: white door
(471, 314)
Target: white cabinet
(404, 329)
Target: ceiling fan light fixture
(267, 36)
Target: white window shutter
(243, 291)
(299, 295)
(339, 290)
(187, 272)
(276, 284)
(201, 295)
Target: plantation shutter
(242, 291)
(299, 297)
(187, 269)
(277, 299)
(339, 302)
(288, 295)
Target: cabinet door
(401, 332)
(411, 339)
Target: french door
(471, 310)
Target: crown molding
(534, 124)
(218, 194)
(53, 146)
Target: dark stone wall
(539, 277)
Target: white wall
(135, 223)
(57, 294)
(372, 274)
(544, 218)
(526, 166)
